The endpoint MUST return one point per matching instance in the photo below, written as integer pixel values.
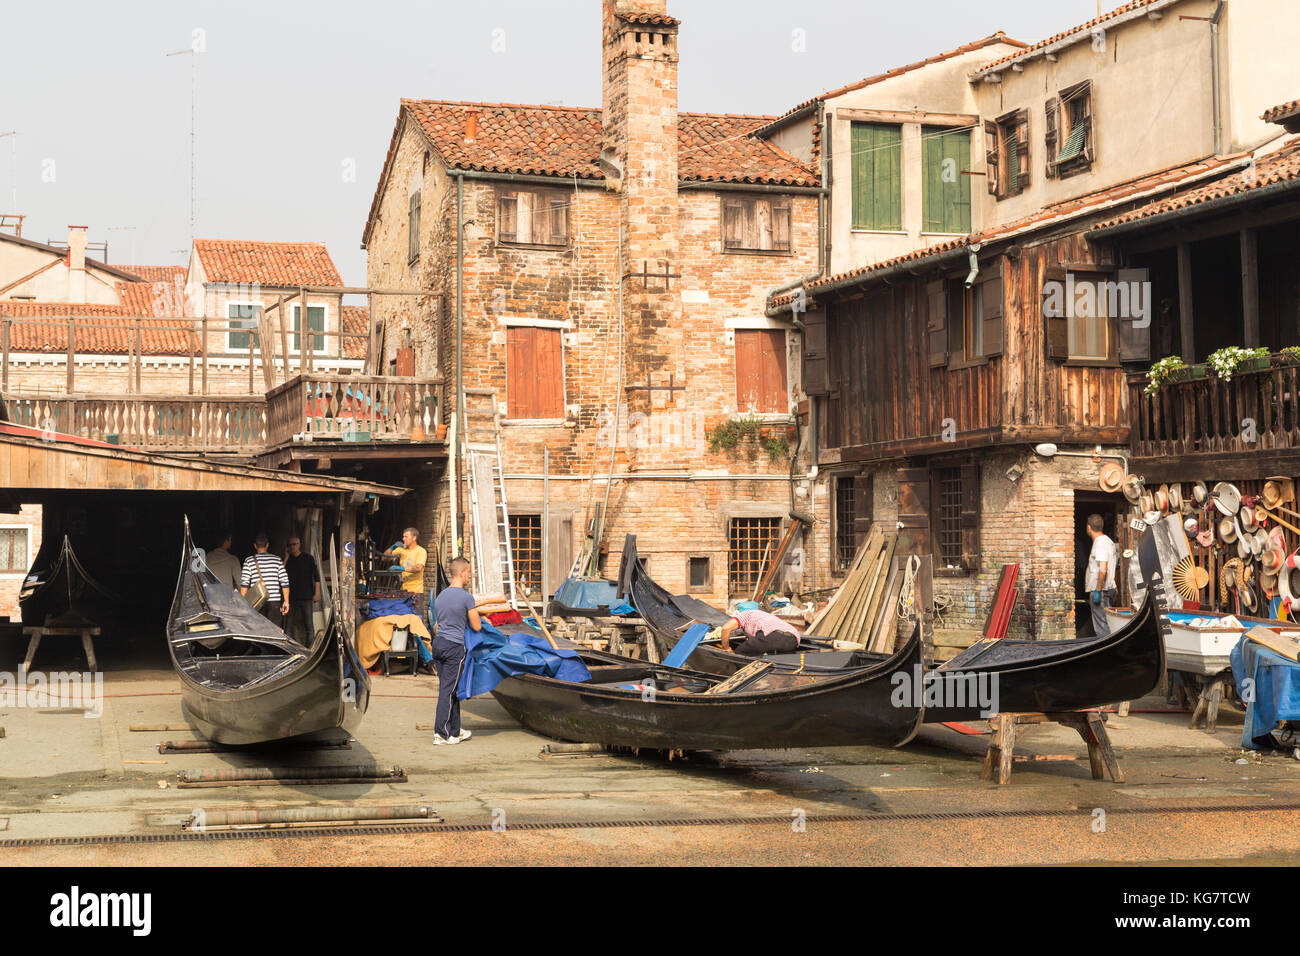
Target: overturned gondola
(1004, 676)
(64, 592)
(244, 681)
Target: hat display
(1227, 498)
(1229, 575)
(1200, 494)
(1133, 488)
(1111, 478)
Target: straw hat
(1247, 596)
(1247, 517)
(1191, 527)
(1162, 498)
(1133, 488)
(1147, 503)
(1227, 530)
(1269, 583)
(1175, 497)
(1278, 491)
(1111, 478)
(1270, 561)
(1261, 540)
(1227, 498)
(1284, 584)
(1200, 494)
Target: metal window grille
(526, 549)
(13, 549)
(845, 540)
(751, 542)
(948, 514)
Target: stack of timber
(862, 611)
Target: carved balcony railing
(362, 408)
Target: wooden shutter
(970, 517)
(413, 228)
(1058, 330)
(534, 373)
(733, 224)
(876, 164)
(1051, 134)
(559, 552)
(1135, 340)
(508, 217)
(863, 508)
(991, 148)
(814, 352)
(761, 380)
(559, 224)
(763, 226)
(1022, 149)
(945, 204)
(781, 228)
(993, 319)
(913, 511)
(936, 323)
(1090, 138)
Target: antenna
(194, 62)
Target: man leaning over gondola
(764, 633)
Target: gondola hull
(858, 707)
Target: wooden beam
(71, 355)
(1186, 325)
(908, 116)
(1249, 288)
(1168, 235)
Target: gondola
(1025, 676)
(647, 706)
(258, 685)
(65, 592)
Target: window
(761, 385)
(876, 159)
(526, 551)
(242, 315)
(845, 539)
(533, 217)
(963, 325)
(970, 308)
(534, 373)
(13, 550)
(1088, 322)
(750, 543)
(315, 323)
(699, 574)
(1069, 136)
(1078, 307)
(756, 225)
(946, 187)
(947, 516)
(1007, 154)
(413, 229)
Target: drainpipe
(1214, 76)
(460, 322)
(971, 251)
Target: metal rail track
(191, 836)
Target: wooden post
(546, 525)
(71, 355)
(284, 336)
(1249, 288)
(451, 486)
(139, 353)
(370, 336)
(203, 346)
(1186, 327)
(302, 331)
(5, 324)
(251, 334)
(191, 370)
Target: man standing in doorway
(1100, 578)
(268, 569)
(456, 611)
(304, 579)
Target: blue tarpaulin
(622, 610)
(586, 594)
(492, 656)
(1270, 685)
(387, 606)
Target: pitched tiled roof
(1281, 113)
(355, 320)
(1088, 204)
(657, 19)
(168, 274)
(107, 329)
(564, 142)
(1074, 34)
(971, 47)
(1270, 169)
(284, 265)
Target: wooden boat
(1023, 676)
(1199, 642)
(636, 704)
(64, 591)
(258, 684)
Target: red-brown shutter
(761, 380)
(549, 347)
(970, 517)
(936, 325)
(1022, 150)
(991, 147)
(992, 321)
(733, 224)
(864, 507)
(1051, 133)
(814, 352)
(781, 228)
(534, 373)
(559, 221)
(508, 217)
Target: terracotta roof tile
(168, 274)
(355, 320)
(1278, 114)
(108, 330)
(656, 19)
(283, 265)
(1078, 31)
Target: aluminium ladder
(493, 560)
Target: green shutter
(1074, 145)
(877, 162)
(946, 204)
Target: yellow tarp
(376, 635)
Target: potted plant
(1168, 369)
(1288, 356)
(1228, 361)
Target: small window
(242, 315)
(1087, 320)
(752, 224)
(761, 382)
(534, 373)
(751, 542)
(533, 217)
(1069, 136)
(413, 229)
(526, 552)
(315, 323)
(947, 515)
(946, 186)
(845, 513)
(13, 550)
(699, 574)
(876, 161)
(1007, 154)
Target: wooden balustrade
(354, 408)
(1211, 416)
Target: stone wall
(11, 583)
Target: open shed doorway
(1111, 509)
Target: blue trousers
(448, 661)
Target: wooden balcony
(1209, 423)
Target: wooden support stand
(85, 633)
(1209, 701)
(1090, 724)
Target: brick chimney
(76, 263)
(639, 158)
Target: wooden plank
(1249, 287)
(746, 675)
(1185, 313)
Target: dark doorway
(1111, 509)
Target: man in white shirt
(1100, 579)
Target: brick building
(610, 295)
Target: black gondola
(65, 592)
(1020, 676)
(256, 684)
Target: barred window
(526, 551)
(751, 543)
(845, 539)
(947, 512)
(13, 550)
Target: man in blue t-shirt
(456, 611)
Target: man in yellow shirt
(412, 558)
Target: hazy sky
(292, 95)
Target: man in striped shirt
(270, 570)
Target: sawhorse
(1090, 724)
(86, 633)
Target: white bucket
(400, 636)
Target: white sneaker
(439, 740)
(464, 736)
